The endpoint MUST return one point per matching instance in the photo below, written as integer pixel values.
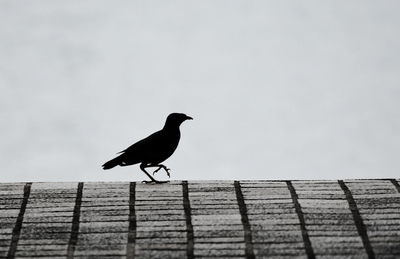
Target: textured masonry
(201, 219)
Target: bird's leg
(142, 167)
(159, 168)
(163, 167)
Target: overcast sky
(277, 89)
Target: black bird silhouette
(153, 150)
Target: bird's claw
(166, 170)
(158, 169)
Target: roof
(302, 219)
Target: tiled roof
(262, 219)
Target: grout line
(306, 238)
(245, 221)
(188, 215)
(130, 247)
(396, 184)
(73, 240)
(18, 224)
(361, 228)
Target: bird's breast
(165, 148)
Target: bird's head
(176, 119)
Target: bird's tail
(112, 163)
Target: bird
(154, 149)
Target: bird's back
(154, 149)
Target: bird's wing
(146, 144)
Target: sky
(277, 89)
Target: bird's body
(154, 149)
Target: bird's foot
(166, 170)
(155, 182)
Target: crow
(153, 150)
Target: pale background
(277, 89)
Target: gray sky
(277, 89)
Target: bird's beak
(189, 118)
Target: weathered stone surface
(221, 224)
(160, 215)
(103, 227)
(381, 221)
(167, 254)
(104, 213)
(272, 219)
